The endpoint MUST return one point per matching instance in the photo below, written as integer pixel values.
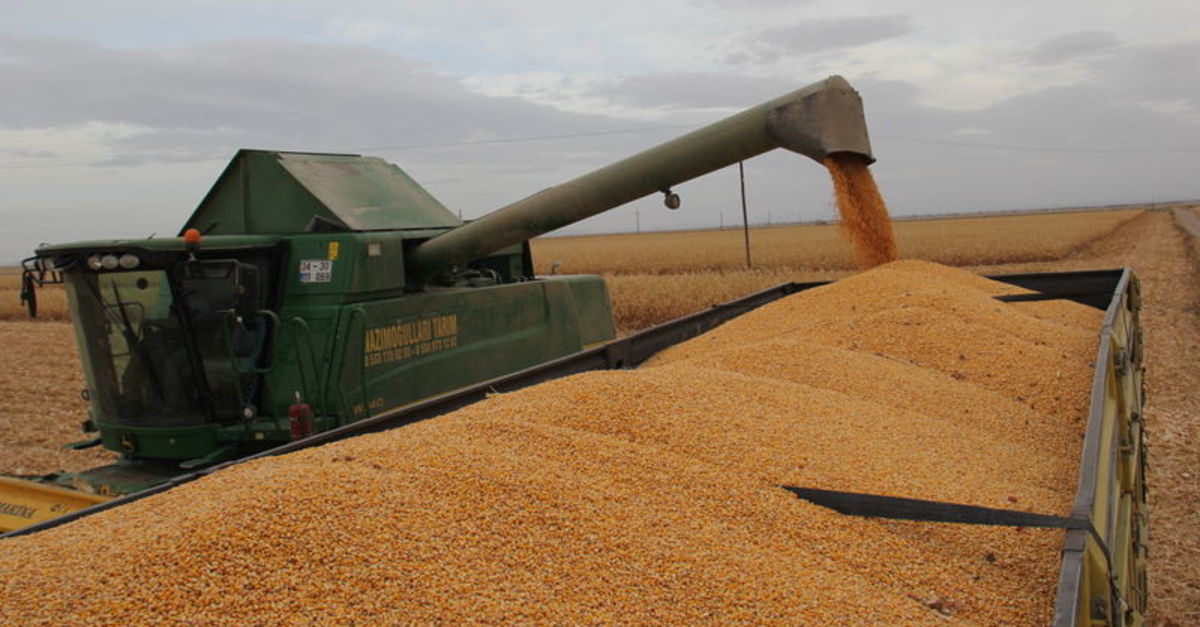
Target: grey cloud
(30, 153)
(1093, 143)
(198, 104)
(692, 90)
(1090, 143)
(205, 101)
(744, 5)
(1145, 74)
(1095, 120)
(1170, 67)
(820, 35)
(1072, 45)
(201, 101)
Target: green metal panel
(396, 350)
(231, 243)
(324, 264)
(592, 304)
(401, 350)
(340, 267)
(367, 193)
(284, 192)
(173, 442)
(347, 267)
(381, 262)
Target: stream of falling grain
(865, 220)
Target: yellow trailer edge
(23, 503)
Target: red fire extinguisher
(301, 419)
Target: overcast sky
(117, 116)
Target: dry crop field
(40, 384)
(52, 300)
(655, 277)
(954, 241)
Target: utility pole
(745, 214)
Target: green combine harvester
(309, 291)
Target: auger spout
(814, 121)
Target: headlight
(109, 262)
(93, 262)
(129, 261)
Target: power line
(395, 148)
(37, 227)
(651, 129)
(534, 138)
(48, 166)
(1034, 148)
(527, 138)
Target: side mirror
(249, 294)
(29, 294)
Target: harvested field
(52, 299)
(655, 277)
(645, 495)
(42, 409)
(950, 241)
(1168, 263)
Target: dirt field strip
(654, 277)
(954, 241)
(656, 294)
(1165, 260)
(1189, 221)
(42, 409)
(52, 299)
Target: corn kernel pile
(642, 496)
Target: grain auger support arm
(814, 121)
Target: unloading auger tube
(817, 120)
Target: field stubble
(42, 409)
(821, 247)
(655, 277)
(52, 299)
